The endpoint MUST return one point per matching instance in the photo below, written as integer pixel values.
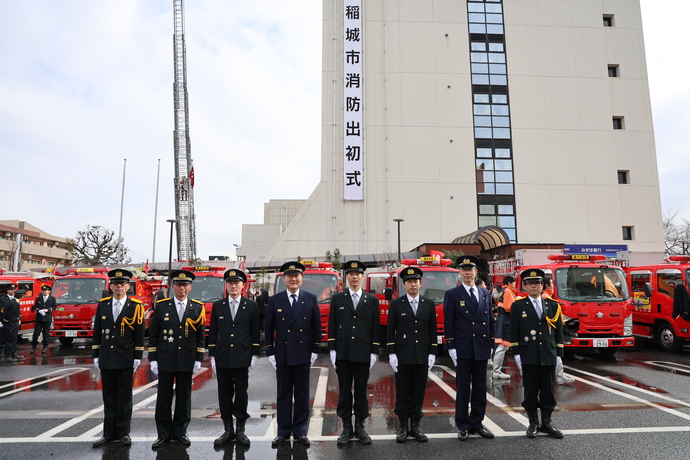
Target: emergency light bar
(314, 264)
(577, 257)
(204, 268)
(427, 260)
(88, 270)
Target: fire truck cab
(438, 278)
(320, 279)
(589, 289)
(31, 282)
(658, 316)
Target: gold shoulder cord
(552, 321)
(194, 323)
(137, 317)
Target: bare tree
(676, 234)
(97, 246)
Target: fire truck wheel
(667, 339)
(66, 340)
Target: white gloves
(197, 366)
(559, 361)
(431, 361)
(213, 364)
(453, 353)
(393, 361)
(42, 312)
(313, 358)
(272, 360)
(251, 365)
(518, 361)
(136, 364)
(95, 364)
(154, 367)
(333, 358)
(372, 360)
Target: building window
(618, 123)
(608, 20)
(627, 233)
(623, 177)
(613, 70)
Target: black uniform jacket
(469, 329)
(412, 337)
(173, 343)
(354, 334)
(118, 342)
(537, 341)
(292, 336)
(49, 305)
(11, 314)
(233, 342)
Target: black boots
(242, 438)
(415, 432)
(229, 434)
(403, 432)
(533, 423)
(347, 433)
(547, 427)
(359, 431)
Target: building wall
(419, 135)
(25, 247)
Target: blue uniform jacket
(292, 336)
(468, 329)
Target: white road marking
(63, 373)
(316, 420)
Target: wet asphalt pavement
(635, 405)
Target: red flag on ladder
(191, 177)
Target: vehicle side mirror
(648, 290)
(388, 293)
(105, 293)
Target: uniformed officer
(293, 340)
(412, 350)
(354, 332)
(176, 348)
(117, 348)
(536, 331)
(43, 306)
(469, 331)
(5, 296)
(11, 320)
(233, 345)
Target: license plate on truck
(70, 333)
(601, 343)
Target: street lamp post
(172, 227)
(399, 254)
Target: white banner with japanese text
(353, 126)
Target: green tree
(452, 255)
(334, 258)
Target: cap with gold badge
(354, 266)
(411, 273)
(235, 275)
(467, 262)
(182, 276)
(533, 274)
(120, 275)
(292, 268)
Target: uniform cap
(235, 275)
(19, 292)
(354, 266)
(182, 276)
(467, 262)
(533, 274)
(292, 268)
(45, 286)
(411, 273)
(120, 274)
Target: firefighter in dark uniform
(176, 349)
(537, 344)
(11, 316)
(43, 306)
(354, 332)
(293, 340)
(469, 330)
(233, 345)
(412, 350)
(5, 295)
(117, 348)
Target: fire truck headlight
(627, 326)
(93, 322)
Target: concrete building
(24, 247)
(529, 115)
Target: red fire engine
(658, 314)
(438, 278)
(77, 296)
(588, 289)
(321, 280)
(31, 282)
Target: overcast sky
(86, 84)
